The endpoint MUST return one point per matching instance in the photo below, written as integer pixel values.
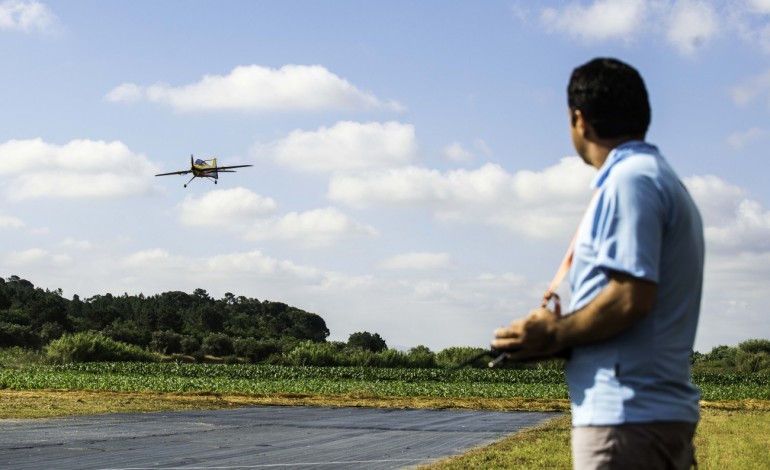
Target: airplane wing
(226, 168)
(181, 172)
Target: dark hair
(611, 96)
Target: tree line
(196, 326)
(169, 323)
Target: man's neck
(599, 149)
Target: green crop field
(222, 378)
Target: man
(636, 279)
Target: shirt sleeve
(629, 225)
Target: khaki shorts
(658, 445)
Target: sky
(413, 171)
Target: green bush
(755, 346)
(309, 353)
(18, 358)
(422, 357)
(12, 334)
(93, 347)
(190, 345)
(166, 342)
(217, 344)
(746, 361)
(454, 356)
(255, 350)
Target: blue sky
(413, 173)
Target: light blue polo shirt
(643, 223)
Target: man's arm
(621, 304)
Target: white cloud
(9, 221)
(78, 169)
(457, 153)
(733, 223)
(236, 272)
(257, 88)
(482, 145)
(26, 16)
(318, 227)
(748, 18)
(758, 6)
(692, 23)
(144, 258)
(601, 20)
(253, 217)
(36, 257)
(345, 146)
(238, 207)
(76, 244)
(125, 93)
(545, 204)
(742, 139)
(751, 89)
(748, 231)
(686, 24)
(418, 261)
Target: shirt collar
(619, 153)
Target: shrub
(12, 334)
(166, 342)
(752, 362)
(368, 341)
(454, 356)
(217, 344)
(17, 357)
(93, 347)
(392, 358)
(190, 344)
(309, 353)
(755, 346)
(422, 357)
(255, 350)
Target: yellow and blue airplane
(204, 169)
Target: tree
(306, 325)
(255, 350)
(421, 356)
(755, 346)
(33, 316)
(217, 344)
(5, 300)
(166, 342)
(367, 341)
(454, 356)
(753, 355)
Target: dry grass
(543, 447)
(732, 435)
(50, 403)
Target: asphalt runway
(281, 437)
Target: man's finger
(506, 344)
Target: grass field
(734, 436)
(734, 432)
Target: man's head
(611, 97)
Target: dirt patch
(16, 404)
(50, 403)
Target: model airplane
(204, 169)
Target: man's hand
(621, 304)
(530, 338)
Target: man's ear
(582, 126)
